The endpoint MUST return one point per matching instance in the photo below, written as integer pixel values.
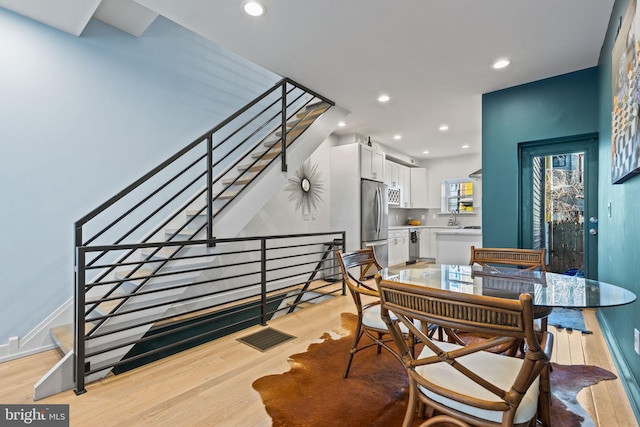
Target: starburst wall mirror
(306, 188)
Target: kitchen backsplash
(432, 217)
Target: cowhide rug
(313, 393)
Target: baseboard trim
(26, 353)
(39, 338)
(628, 381)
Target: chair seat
(498, 369)
(371, 318)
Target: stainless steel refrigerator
(374, 220)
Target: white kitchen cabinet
(418, 188)
(391, 173)
(398, 246)
(371, 163)
(405, 186)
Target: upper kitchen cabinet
(371, 163)
(391, 174)
(418, 188)
(410, 184)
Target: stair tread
(140, 273)
(162, 253)
(240, 181)
(228, 195)
(272, 142)
(255, 168)
(292, 132)
(267, 154)
(63, 336)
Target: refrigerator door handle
(377, 203)
(379, 211)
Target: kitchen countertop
(463, 231)
(402, 227)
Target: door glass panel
(558, 210)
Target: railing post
(79, 317)
(263, 281)
(210, 188)
(284, 126)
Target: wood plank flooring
(211, 385)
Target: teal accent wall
(82, 118)
(619, 236)
(571, 104)
(557, 107)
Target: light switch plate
(636, 340)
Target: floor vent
(266, 339)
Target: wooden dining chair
(467, 382)
(369, 322)
(529, 259)
(443, 421)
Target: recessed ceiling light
(397, 136)
(425, 152)
(253, 8)
(342, 124)
(383, 98)
(500, 63)
(465, 146)
(444, 127)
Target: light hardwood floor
(211, 385)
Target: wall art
(625, 126)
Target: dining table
(549, 290)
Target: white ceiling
(432, 57)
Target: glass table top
(547, 289)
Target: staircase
(146, 254)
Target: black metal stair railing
(144, 209)
(258, 277)
(178, 200)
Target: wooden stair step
(313, 110)
(268, 154)
(103, 308)
(163, 253)
(197, 213)
(228, 195)
(63, 337)
(255, 168)
(272, 142)
(293, 132)
(185, 232)
(140, 273)
(243, 180)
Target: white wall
(455, 167)
(280, 216)
(83, 117)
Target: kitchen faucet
(453, 220)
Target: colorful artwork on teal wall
(625, 125)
